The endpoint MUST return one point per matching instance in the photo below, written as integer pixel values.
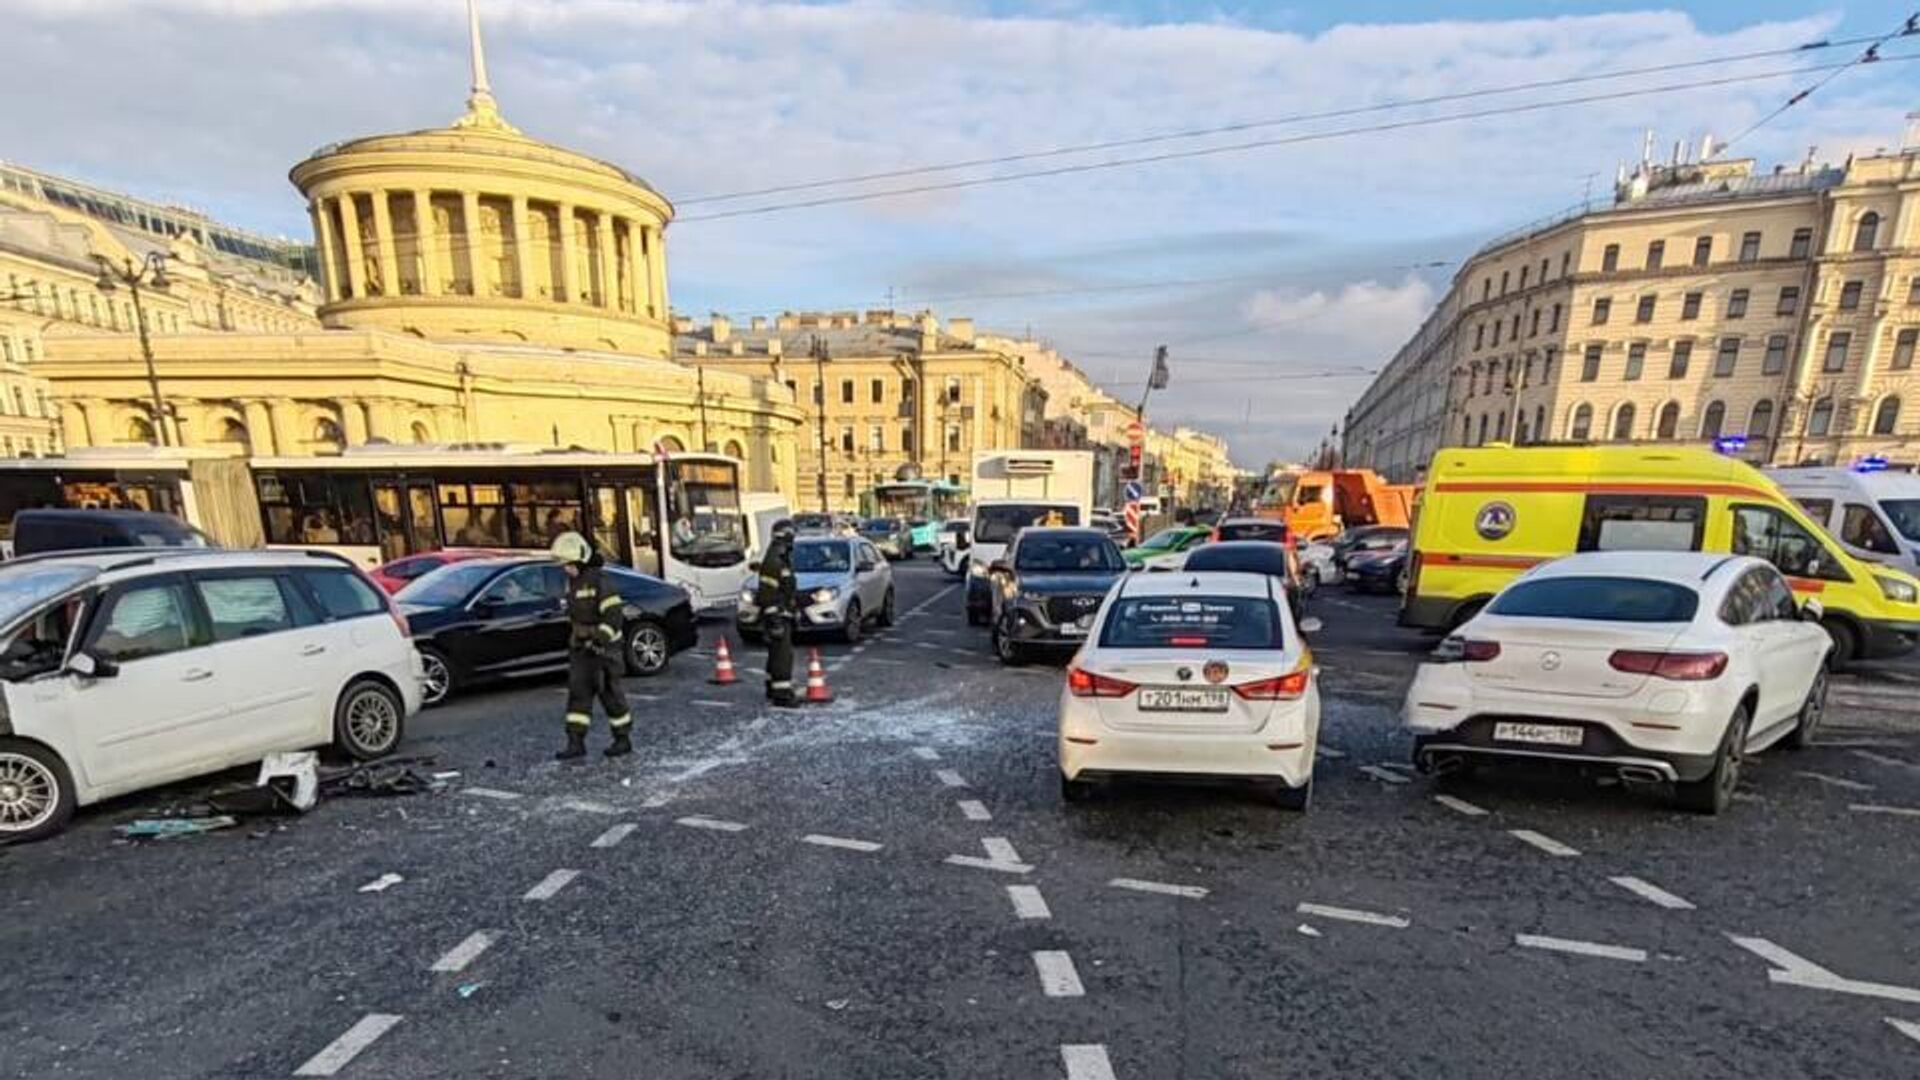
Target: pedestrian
(594, 633)
(779, 602)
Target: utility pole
(700, 374)
(150, 271)
(819, 353)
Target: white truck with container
(1013, 489)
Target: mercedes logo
(1550, 661)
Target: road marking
(1028, 903)
(887, 661)
(709, 703)
(1460, 805)
(1646, 890)
(1086, 1061)
(926, 753)
(698, 822)
(1385, 776)
(490, 793)
(929, 601)
(613, 836)
(588, 806)
(1331, 753)
(975, 810)
(1545, 843)
(839, 842)
(1882, 759)
(458, 957)
(1837, 781)
(655, 802)
(1580, 948)
(938, 632)
(643, 697)
(1057, 976)
(927, 645)
(979, 863)
(1791, 969)
(1354, 915)
(1190, 892)
(338, 1053)
(1000, 849)
(551, 885)
(949, 778)
(1906, 1027)
(1874, 808)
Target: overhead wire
(1871, 55)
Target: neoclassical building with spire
(475, 285)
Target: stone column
(428, 242)
(657, 270)
(383, 236)
(286, 442)
(636, 270)
(323, 235)
(566, 283)
(260, 428)
(522, 265)
(607, 296)
(356, 257)
(470, 226)
(353, 422)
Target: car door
(1803, 644)
(1748, 612)
(277, 666)
(520, 620)
(867, 576)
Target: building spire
(482, 110)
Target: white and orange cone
(817, 692)
(723, 674)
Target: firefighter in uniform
(779, 604)
(594, 634)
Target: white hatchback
(1192, 675)
(1650, 666)
(121, 670)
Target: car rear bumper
(1281, 750)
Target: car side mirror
(866, 566)
(89, 666)
(1310, 625)
(1812, 611)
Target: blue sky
(1329, 245)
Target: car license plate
(1174, 700)
(1550, 734)
(1074, 629)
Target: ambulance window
(1771, 535)
(1820, 510)
(1861, 527)
(1642, 523)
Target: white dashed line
(1791, 969)
(655, 802)
(458, 957)
(927, 645)
(887, 661)
(926, 753)
(1028, 903)
(1331, 753)
(613, 836)
(338, 1053)
(588, 806)
(949, 778)
(490, 793)
(1882, 759)
(1906, 1027)
(1000, 849)
(839, 842)
(1646, 890)
(1545, 843)
(1874, 808)
(1057, 975)
(1190, 892)
(1354, 915)
(974, 810)
(1837, 781)
(1460, 806)
(551, 885)
(979, 863)
(643, 697)
(1580, 948)
(709, 703)
(1086, 1062)
(697, 822)
(928, 602)
(1385, 776)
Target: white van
(1874, 514)
(121, 670)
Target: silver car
(844, 584)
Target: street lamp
(150, 272)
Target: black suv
(1048, 587)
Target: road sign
(1136, 432)
(1133, 491)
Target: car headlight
(976, 569)
(1032, 598)
(1900, 592)
(824, 596)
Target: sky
(1277, 276)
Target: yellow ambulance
(1487, 514)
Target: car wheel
(1075, 791)
(647, 649)
(436, 677)
(369, 720)
(1464, 614)
(1846, 643)
(1007, 649)
(1812, 711)
(1713, 793)
(856, 623)
(36, 792)
(1297, 799)
(886, 610)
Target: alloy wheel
(649, 648)
(29, 793)
(372, 721)
(435, 679)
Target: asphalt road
(890, 887)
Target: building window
(1623, 423)
(846, 440)
(1690, 306)
(906, 439)
(1760, 422)
(1789, 300)
(878, 390)
(1682, 358)
(1503, 281)
(1514, 330)
(1776, 359)
(1496, 332)
(1850, 296)
(1582, 424)
(907, 391)
(1656, 254)
(1750, 247)
(1636, 360)
(1802, 244)
(1643, 312)
(1481, 441)
(794, 389)
(1610, 258)
(953, 438)
(1865, 233)
(1837, 343)
(1737, 304)
(1466, 431)
(1714, 420)
(1479, 336)
(876, 439)
(1486, 288)
(1887, 417)
(846, 391)
(1500, 426)
(1703, 251)
(1820, 419)
(1533, 325)
(1539, 423)
(1553, 323)
(1602, 308)
(1728, 357)
(953, 389)
(1668, 425)
(1903, 349)
(1543, 270)
(1590, 364)
(1546, 367)
(1913, 290)
(1523, 277)
(848, 486)
(819, 392)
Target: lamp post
(818, 351)
(150, 272)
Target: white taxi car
(1189, 675)
(1650, 666)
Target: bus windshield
(705, 527)
(909, 501)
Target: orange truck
(1325, 502)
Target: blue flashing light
(1729, 444)
(1871, 463)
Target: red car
(401, 572)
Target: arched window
(735, 450)
(327, 430)
(1582, 425)
(233, 431)
(1887, 416)
(1866, 232)
(1820, 420)
(1466, 430)
(1760, 423)
(672, 445)
(1667, 427)
(1483, 431)
(1623, 423)
(140, 430)
(1714, 420)
(421, 434)
(1539, 423)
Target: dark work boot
(622, 743)
(783, 699)
(576, 745)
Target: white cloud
(1364, 316)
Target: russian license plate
(1177, 700)
(1549, 734)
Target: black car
(488, 619)
(1048, 586)
(1365, 538)
(36, 531)
(1252, 557)
(1377, 571)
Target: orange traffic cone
(723, 666)
(817, 692)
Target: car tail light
(1679, 666)
(1279, 688)
(1459, 649)
(1083, 683)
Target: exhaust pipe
(1440, 764)
(1641, 774)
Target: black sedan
(490, 619)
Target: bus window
(606, 523)
(703, 511)
(542, 510)
(473, 515)
(316, 510)
(24, 491)
(1643, 523)
(640, 525)
(393, 527)
(420, 515)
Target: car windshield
(1905, 515)
(821, 558)
(1263, 559)
(26, 587)
(1056, 554)
(1604, 599)
(879, 526)
(1164, 539)
(1271, 531)
(997, 524)
(449, 585)
(1195, 622)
